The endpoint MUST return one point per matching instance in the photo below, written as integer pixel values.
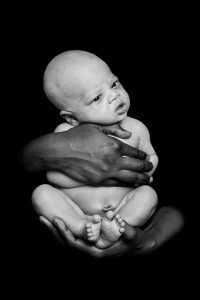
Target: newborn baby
(84, 89)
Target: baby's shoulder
(63, 127)
(133, 125)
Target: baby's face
(99, 96)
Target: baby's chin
(115, 120)
(121, 117)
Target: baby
(85, 90)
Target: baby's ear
(69, 117)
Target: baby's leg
(51, 202)
(139, 207)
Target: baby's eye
(115, 84)
(97, 98)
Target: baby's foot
(111, 230)
(91, 229)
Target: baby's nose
(112, 96)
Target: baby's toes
(89, 229)
(96, 219)
(117, 216)
(88, 226)
(119, 220)
(109, 215)
(122, 224)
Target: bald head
(66, 75)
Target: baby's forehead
(83, 65)
(75, 57)
(74, 72)
(82, 70)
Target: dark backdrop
(150, 67)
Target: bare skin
(82, 143)
(53, 152)
(106, 231)
(111, 229)
(165, 224)
(91, 229)
(71, 151)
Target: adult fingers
(87, 248)
(127, 150)
(116, 130)
(119, 248)
(66, 234)
(44, 221)
(132, 177)
(136, 165)
(52, 228)
(76, 243)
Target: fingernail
(148, 157)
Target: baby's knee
(150, 196)
(41, 196)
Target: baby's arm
(145, 145)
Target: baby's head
(83, 88)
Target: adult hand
(86, 154)
(165, 223)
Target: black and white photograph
(99, 136)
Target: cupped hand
(66, 237)
(165, 224)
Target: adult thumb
(116, 130)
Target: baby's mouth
(121, 108)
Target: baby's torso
(94, 200)
(97, 200)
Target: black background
(151, 63)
